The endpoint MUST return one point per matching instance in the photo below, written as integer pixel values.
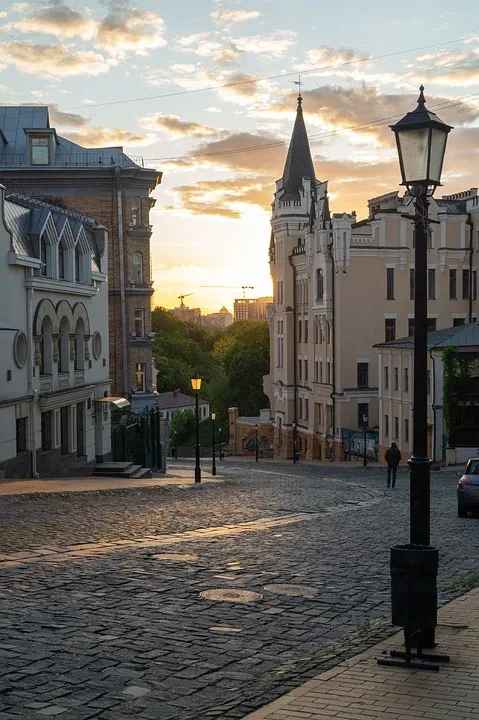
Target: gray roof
(171, 400)
(452, 207)
(15, 120)
(299, 163)
(460, 336)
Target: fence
(353, 443)
(139, 440)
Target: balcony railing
(87, 159)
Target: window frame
(389, 283)
(389, 329)
(362, 371)
(139, 322)
(33, 145)
(452, 284)
(431, 283)
(140, 377)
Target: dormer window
(61, 262)
(40, 150)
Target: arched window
(80, 345)
(64, 346)
(77, 264)
(43, 257)
(137, 267)
(46, 347)
(328, 333)
(61, 261)
(136, 211)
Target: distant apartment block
(251, 308)
(221, 319)
(186, 314)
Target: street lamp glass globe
(421, 138)
(213, 416)
(196, 383)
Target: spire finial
(299, 83)
(421, 99)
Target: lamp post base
(213, 469)
(197, 475)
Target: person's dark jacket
(393, 456)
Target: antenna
(299, 83)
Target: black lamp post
(220, 441)
(421, 141)
(196, 385)
(213, 455)
(294, 442)
(365, 449)
(256, 442)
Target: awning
(119, 402)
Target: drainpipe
(295, 362)
(434, 431)
(124, 348)
(31, 367)
(471, 251)
(333, 340)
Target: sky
(204, 91)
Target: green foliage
(461, 371)
(182, 425)
(449, 359)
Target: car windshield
(473, 467)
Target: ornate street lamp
(220, 442)
(196, 385)
(294, 442)
(365, 450)
(213, 467)
(421, 142)
(256, 442)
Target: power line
(444, 105)
(270, 77)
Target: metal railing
(87, 159)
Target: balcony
(63, 381)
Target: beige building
(221, 319)
(396, 387)
(342, 286)
(186, 314)
(251, 308)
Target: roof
(460, 336)
(299, 163)
(452, 207)
(16, 120)
(171, 400)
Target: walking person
(393, 458)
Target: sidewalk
(359, 689)
(180, 477)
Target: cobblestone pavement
(100, 592)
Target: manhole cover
(175, 557)
(291, 590)
(230, 595)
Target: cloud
(53, 61)
(173, 125)
(222, 197)
(326, 55)
(447, 68)
(55, 19)
(274, 45)
(125, 28)
(77, 129)
(19, 7)
(234, 16)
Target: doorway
(81, 429)
(64, 429)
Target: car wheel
(461, 510)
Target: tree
(182, 425)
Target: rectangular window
(140, 376)
(306, 409)
(305, 371)
(300, 369)
(140, 322)
(390, 329)
(406, 379)
(396, 428)
(300, 407)
(65, 429)
(328, 370)
(465, 285)
(47, 430)
(428, 382)
(316, 371)
(431, 324)
(40, 150)
(452, 284)
(390, 283)
(319, 284)
(22, 435)
(386, 426)
(474, 284)
(362, 370)
(412, 284)
(329, 416)
(300, 331)
(456, 322)
(431, 284)
(386, 377)
(363, 411)
(316, 333)
(406, 430)
(306, 331)
(410, 327)
(396, 379)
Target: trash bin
(414, 586)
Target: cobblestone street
(104, 595)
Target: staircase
(124, 470)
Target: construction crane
(235, 287)
(182, 297)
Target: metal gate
(138, 440)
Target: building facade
(251, 308)
(221, 319)
(115, 190)
(186, 314)
(176, 401)
(396, 389)
(54, 337)
(343, 285)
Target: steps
(124, 470)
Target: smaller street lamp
(256, 442)
(196, 385)
(294, 442)
(365, 428)
(220, 441)
(213, 468)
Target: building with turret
(343, 285)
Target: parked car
(468, 488)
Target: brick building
(115, 190)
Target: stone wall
(243, 435)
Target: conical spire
(299, 163)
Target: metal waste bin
(414, 586)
